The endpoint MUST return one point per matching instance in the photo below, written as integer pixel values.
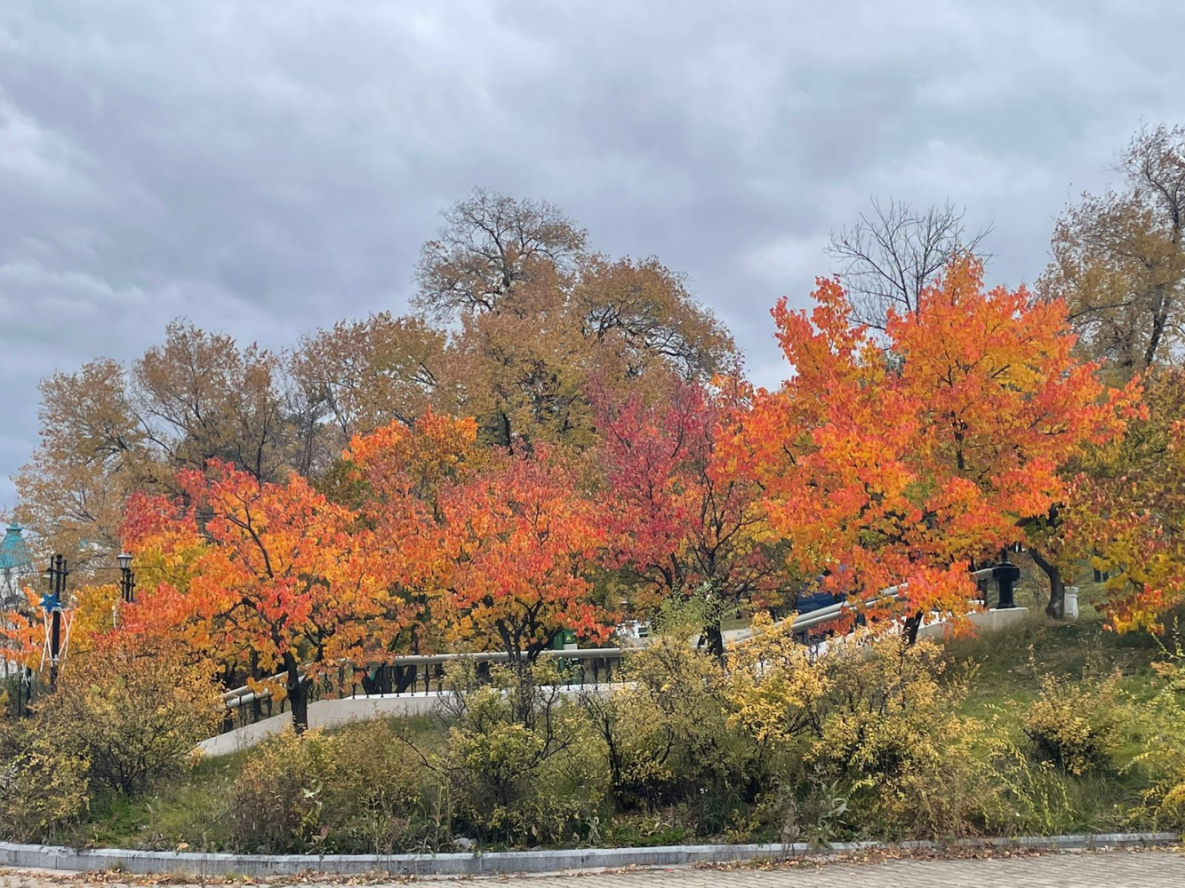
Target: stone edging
(258, 865)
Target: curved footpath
(44, 857)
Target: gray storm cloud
(265, 168)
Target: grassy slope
(1005, 671)
(178, 815)
(1010, 663)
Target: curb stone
(471, 864)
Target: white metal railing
(826, 614)
(241, 696)
(244, 695)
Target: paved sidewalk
(1116, 869)
(1120, 869)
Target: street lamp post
(127, 579)
(127, 585)
(55, 586)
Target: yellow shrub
(863, 735)
(133, 714)
(1164, 753)
(1074, 726)
(667, 736)
(776, 692)
(520, 764)
(43, 783)
(360, 790)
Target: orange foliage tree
(495, 547)
(901, 460)
(274, 575)
(22, 636)
(394, 477)
(523, 540)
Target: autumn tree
(1118, 260)
(676, 518)
(280, 577)
(523, 542)
(93, 451)
(642, 313)
(394, 477)
(494, 548)
(409, 464)
(360, 375)
(22, 637)
(536, 316)
(902, 465)
(1054, 539)
(1128, 511)
(893, 253)
(201, 398)
(521, 369)
(108, 430)
(489, 245)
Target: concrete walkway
(334, 713)
(323, 714)
(1113, 869)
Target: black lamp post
(55, 587)
(127, 580)
(1005, 574)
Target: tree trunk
(298, 695)
(405, 677)
(1056, 608)
(256, 703)
(912, 625)
(503, 431)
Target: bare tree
(890, 255)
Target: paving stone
(1145, 869)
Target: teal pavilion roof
(15, 565)
(14, 555)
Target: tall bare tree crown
(893, 252)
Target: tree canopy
(557, 437)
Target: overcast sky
(271, 166)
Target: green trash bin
(563, 638)
(570, 671)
